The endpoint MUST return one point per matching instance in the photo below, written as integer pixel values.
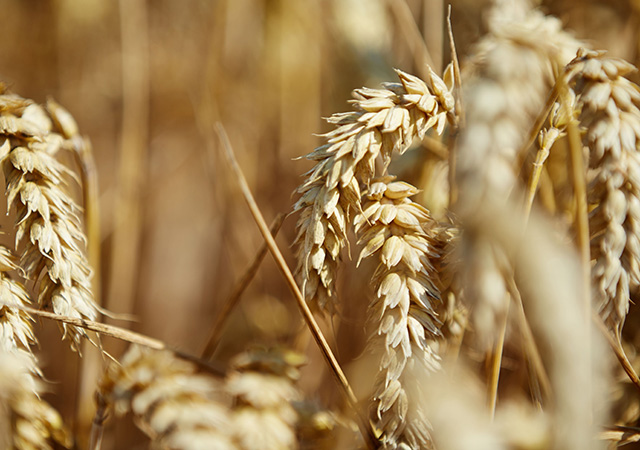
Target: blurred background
(147, 81)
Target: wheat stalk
(48, 229)
(385, 121)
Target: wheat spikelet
(385, 120)
(400, 233)
(610, 114)
(48, 231)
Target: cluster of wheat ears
(499, 290)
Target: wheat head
(385, 121)
(48, 230)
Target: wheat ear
(400, 234)
(608, 106)
(385, 120)
(48, 229)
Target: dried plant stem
(432, 15)
(135, 123)
(495, 362)
(532, 351)
(365, 428)
(534, 180)
(89, 366)
(411, 32)
(240, 286)
(436, 147)
(578, 178)
(453, 186)
(531, 138)
(91, 206)
(457, 78)
(107, 330)
(119, 333)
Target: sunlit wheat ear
(174, 405)
(26, 421)
(384, 121)
(49, 235)
(399, 233)
(262, 384)
(610, 116)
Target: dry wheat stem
(134, 143)
(236, 293)
(532, 351)
(117, 333)
(322, 343)
(413, 37)
(578, 179)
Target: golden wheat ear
(49, 235)
(386, 121)
(608, 111)
(400, 233)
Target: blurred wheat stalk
(480, 318)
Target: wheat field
(330, 224)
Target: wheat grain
(385, 121)
(48, 229)
(400, 234)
